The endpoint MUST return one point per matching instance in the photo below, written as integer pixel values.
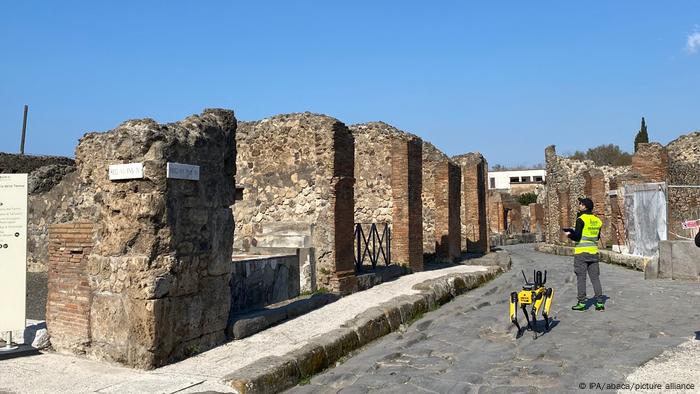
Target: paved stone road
(468, 345)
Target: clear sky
(506, 78)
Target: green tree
(642, 136)
(527, 198)
(604, 155)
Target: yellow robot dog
(535, 294)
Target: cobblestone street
(468, 345)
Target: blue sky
(504, 78)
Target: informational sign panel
(183, 171)
(125, 171)
(13, 251)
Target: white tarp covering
(645, 211)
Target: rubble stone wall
(684, 170)
(432, 157)
(299, 168)
(11, 163)
(566, 183)
(160, 266)
(474, 215)
(388, 172)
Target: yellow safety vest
(589, 235)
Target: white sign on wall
(183, 171)
(13, 251)
(125, 171)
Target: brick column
(536, 218)
(447, 212)
(343, 205)
(474, 216)
(69, 296)
(651, 162)
(407, 209)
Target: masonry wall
(299, 168)
(474, 215)
(24, 164)
(684, 170)
(447, 211)
(432, 157)
(160, 265)
(69, 293)
(567, 181)
(388, 171)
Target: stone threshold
(272, 374)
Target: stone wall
(474, 215)
(299, 168)
(257, 281)
(24, 164)
(684, 170)
(536, 218)
(388, 173)
(160, 266)
(567, 181)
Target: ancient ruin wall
(684, 170)
(11, 163)
(298, 168)
(474, 215)
(432, 157)
(388, 181)
(566, 180)
(160, 266)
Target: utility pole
(24, 129)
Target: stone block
(268, 375)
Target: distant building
(516, 181)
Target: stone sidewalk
(272, 360)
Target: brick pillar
(69, 296)
(474, 216)
(344, 279)
(407, 209)
(564, 214)
(651, 162)
(447, 211)
(536, 218)
(594, 189)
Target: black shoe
(599, 306)
(580, 306)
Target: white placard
(125, 171)
(13, 251)
(183, 171)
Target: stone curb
(275, 374)
(637, 263)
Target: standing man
(586, 235)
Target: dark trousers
(585, 263)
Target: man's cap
(587, 202)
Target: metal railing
(373, 244)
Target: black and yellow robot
(536, 294)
